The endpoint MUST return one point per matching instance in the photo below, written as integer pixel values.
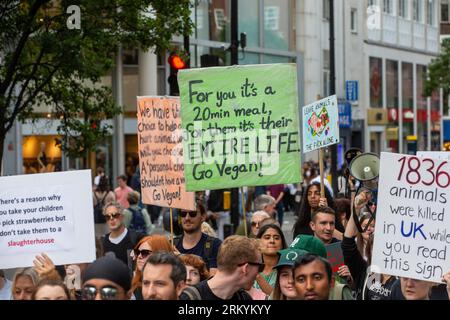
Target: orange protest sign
(161, 153)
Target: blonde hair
(235, 250)
(206, 228)
(25, 272)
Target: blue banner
(345, 115)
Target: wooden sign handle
(322, 186)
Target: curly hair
(197, 263)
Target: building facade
(382, 52)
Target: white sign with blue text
(412, 231)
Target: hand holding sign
(43, 264)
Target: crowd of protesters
(202, 262)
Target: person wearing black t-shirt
(120, 241)
(193, 241)
(238, 263)
(322, 223)
(368, 286)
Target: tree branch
(10, 120)
(20, 46)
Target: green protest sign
(240, 126)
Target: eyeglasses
(114, 215)
(107, 293)
(255, 224)
(191, 214)
(143, 253)
(260, 265)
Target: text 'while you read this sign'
(320, 124)
(240, 125)
(412, 230)
(161, 153)
(46, 213)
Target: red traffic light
(176, 62)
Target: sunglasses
(107, 293)
(258, 264)
(112, 216)
(255, 224)
(143, 253)
(191, 214)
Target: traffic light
(176, 63)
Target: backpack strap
(193, 293)
(104, 197)
(208, 249)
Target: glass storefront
(41, 154)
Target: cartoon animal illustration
(317, 123)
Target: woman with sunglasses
(272, 241)
(142, 251)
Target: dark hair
(265, 227)
(304, 212)
(178, 272)
(103, 184)
(308, 258)
(343, 205)
(51, 283)
(326, 210)
(123, 177)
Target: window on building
(388, 6)
(403, 8)
(130, 56)
(421, 102)
(431, 12)
(249, 23)
(372, 3)
(276, 24)
(219, 18)
(353, 20)
(271, 18)
(392, 83)
(417, 10)
(445, 12)
(376, 82)
(326, 9)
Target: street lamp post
(333, 148)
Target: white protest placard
(412, 231)
(441, 155)
(320, 124)
(49, 212)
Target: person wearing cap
(107, 278)
(284, 286)
(309, 244)
(313, 245)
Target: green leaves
(44, 62)
(439, 71)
